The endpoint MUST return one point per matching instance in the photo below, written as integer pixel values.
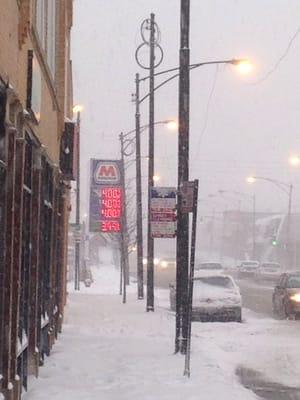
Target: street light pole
(182, 243)
(254, 228)
(139, 207)
(288, 227)
(150, 241)
(77, 221)
(124, 247)
(288, 190)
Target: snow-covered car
(208, 268)
(247, 269)
(268, 271)
(215, 298)
(286, 296)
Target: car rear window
(249, 264)
(220, 281)
(209, 266)
(293, 281)
(269, 265)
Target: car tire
(238, 317)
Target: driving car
(286, 296)
(215, 298)
(247, 269)
(268, 271)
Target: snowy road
(113, 351)
(256, 297)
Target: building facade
(35, 165)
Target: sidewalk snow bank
(115, 351)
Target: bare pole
(253, 229)
(187, 371)
(123, 246)
(182, 244)
(77, 242)
(139, 206)
(288, 225)
(150, 241)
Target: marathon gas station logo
(106, 172)
(106, 196)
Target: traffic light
(274, 241)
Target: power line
(206, 114)
(279, 61)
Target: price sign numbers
(111, 209)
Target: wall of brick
(13, 67)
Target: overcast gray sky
(239, 125)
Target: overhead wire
(205, 124)
(279, 61)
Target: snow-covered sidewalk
(114, 351)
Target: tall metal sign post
(194, 190)
(182, 246)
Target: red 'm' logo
(106, 173)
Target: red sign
(110, 208)
(107, 173)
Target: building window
(45, 22)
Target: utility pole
(139, 209)
(254, 229)
(150, 241)
(182, 244)
(288, 227)
(123, 247)
(212, 234)
(78, 234)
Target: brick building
(36, 154)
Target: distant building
(35, 103)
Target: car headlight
(295, 297)
(145, 261)
(156, 261)
(164, 264)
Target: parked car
(286, 296)
(215, 298)
(165, 271)
(247, 269)
(208, 268)
(268, 271)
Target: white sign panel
(163, 212)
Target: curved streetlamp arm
(192, 66)
(144, 127)
(159, 86)
(196, 65)
(285, 187)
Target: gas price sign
(106, 196)
(110, 208)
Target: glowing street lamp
(172, 125)
(294, 161)
(78, 108)
(251, 179)
(244, 66)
